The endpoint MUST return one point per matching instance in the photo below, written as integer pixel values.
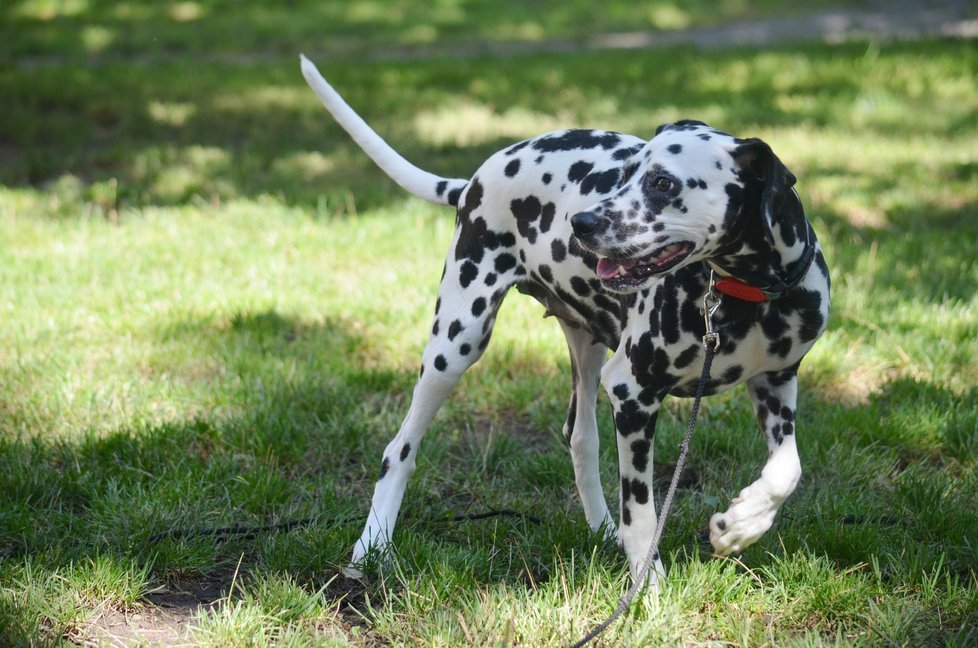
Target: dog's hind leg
(581, 427)
(752, 512)
(468, 300)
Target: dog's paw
(654, 577)
(741, 525)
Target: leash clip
(711, 303)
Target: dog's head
(691, 194)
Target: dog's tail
(430, 187)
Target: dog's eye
(663, 184)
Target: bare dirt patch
(164, 619)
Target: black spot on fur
(580, 286)
(576, 139)
(603, 182)
(625, 153)
(472, 234)
(440, 187)
(385, 465)
(440, 363)
(516, 148)
(505, 262)
(685, 358)
(435, 328)
(640, 491)
(781, 347)
(468, 273)
(558, 251)
(479, 306)
(630, 418)
(490, 278)
(626, 516)
(527, 212)
(454, 329)
(547, 217)
(620, 391)
(579, 171)
(640, 454)
(732, 374)
(675, 149)
(464, 349)
(512, 168)
(405, 451)
(547, 178)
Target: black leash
(711, 342)
(247, 532)
(242, 532)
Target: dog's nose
(585, 223)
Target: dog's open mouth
(626, 273)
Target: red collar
(740, 290)
(746, 292)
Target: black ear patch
(760, 166)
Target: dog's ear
(758, 164)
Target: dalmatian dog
(618, 238)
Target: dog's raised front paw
(741, 525)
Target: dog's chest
(661, 341)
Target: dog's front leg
(752, 512)
(636, 411)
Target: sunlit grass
(346, 29)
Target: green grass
(212, 309)
(106, 28)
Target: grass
(213, 307)
(104, 28)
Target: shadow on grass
(300, 439)
(919, 256)
(298, 436)
(173, 135)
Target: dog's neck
(772, 264)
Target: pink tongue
(608, 268)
